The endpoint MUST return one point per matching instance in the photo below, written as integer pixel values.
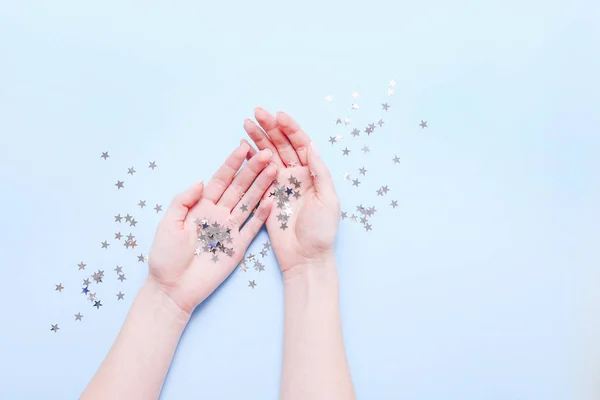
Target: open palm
(305, 214)
(199, 241)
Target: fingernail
(269, 152)
(258, 108)
(313, 146)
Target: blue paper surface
(482, 284)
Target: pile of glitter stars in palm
(212, 238)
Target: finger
(181, 204)
(262, 141)
(251, 152)
(320, 174)
(224, 175)
(297, 137)
(248, 202)
(250, 230)
(244, 179)
(284, 147)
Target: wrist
(163, 302)
(324, 266)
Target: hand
(199, 242)
(302, 228)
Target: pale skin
(314, 360)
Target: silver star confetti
(212, 239)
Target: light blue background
(483, 284)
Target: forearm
(314, 358)
(138, 361)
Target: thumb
(320, 174)
(181, 204)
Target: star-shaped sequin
(396, 160)
(158, 208)
(152, 165)
(423, 124)
(78, 316)
(97, 304)
(251, 284)
(120, 296)
(346, 152)
(394, 203)
(118, 235)
(141, 258)
(118, 218)
(355, 132)
(105, 244)
(385, 106)
(362, 171)
(81, 265)
(366, 149)
(119, 185)
(244, 207)
(130, 171)
(104, 155)
(142, 203)
(59, 287)
(54, 328)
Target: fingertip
(259, 111)
(271, 169)
(283, 119)
(265, 208)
